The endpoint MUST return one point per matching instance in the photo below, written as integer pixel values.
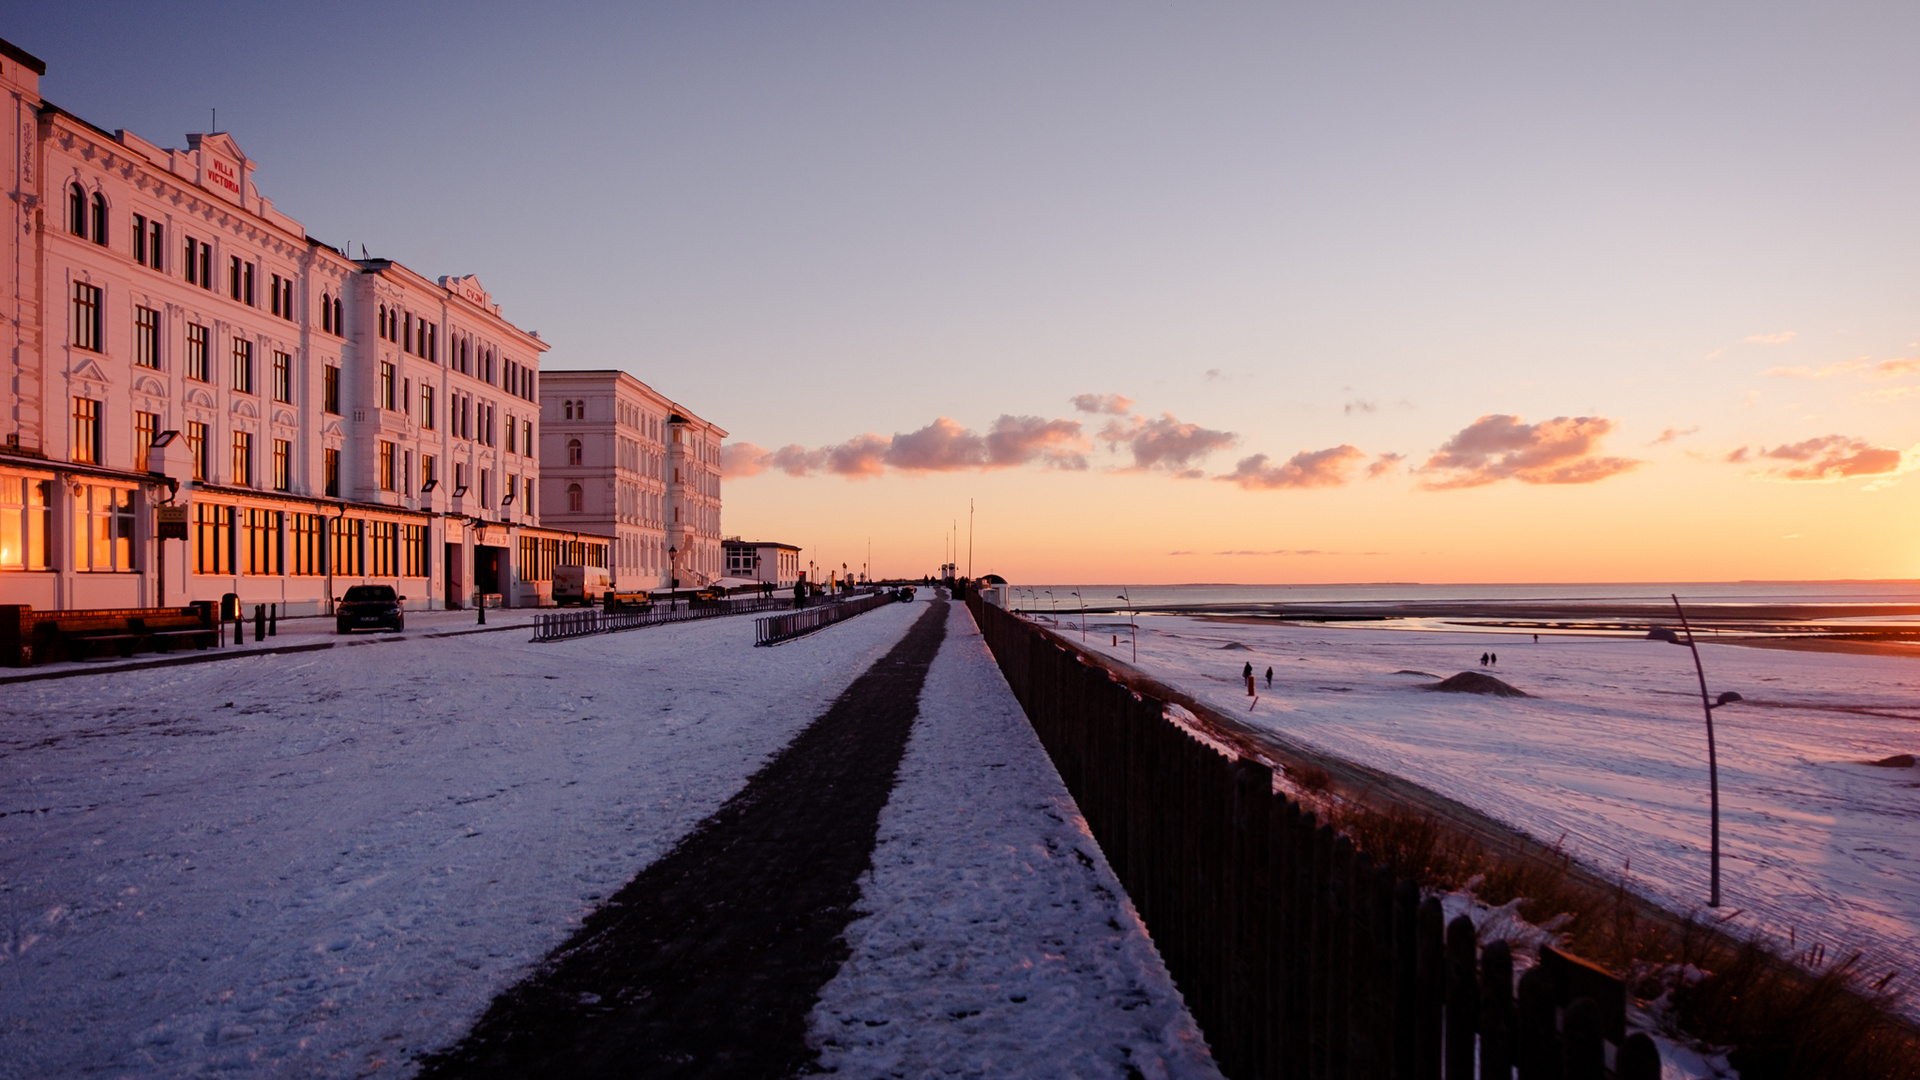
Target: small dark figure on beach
(1493, 659)
(1269, 678)
(1536, 639)
(1483, 659)
(1247, 672)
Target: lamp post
(1133, 627)
(1083, 617)
(673, 578)
(1707, 706)
(1055, 601)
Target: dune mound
(1236, 645)
(1475, 682)
(1422, 674)
(1897, 761)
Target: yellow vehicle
(629, 600)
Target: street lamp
(673, 578)
(1055, 601)
(1727, 697)
(1083, 617)
(1132, 626)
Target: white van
(579, 584)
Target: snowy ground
(996, 940)
(1610, 755)
(326, 863)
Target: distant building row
(187, 362)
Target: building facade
(622, 461)
(187, 362)
(762, 560)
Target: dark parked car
(370, 605)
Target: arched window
(338, 326)
(99, 218)
(77, 210)
(383, 320)
(326, 312)
(576, 499)
(573, 451)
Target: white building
(177, 342)
(762, 560)
(622, 461)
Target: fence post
(1496, 1012)
(1358, 960)
(1539, 1041)
(1406, 902)
(1463, 999)
(1318, 959)
(1386, 1062)
(1584, 1059)
(1430, 960)
(1339, 913)
(1638, 1058)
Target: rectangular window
(102, 528)
(526, 436)
(242, 459)
(383, 554)
(242, 366)
(199, 266)
(386, 386)
(486, 487)
(146, 337)
(426, 407)
(197, 350)
(26, 521)
(146, 426)
(140, 239)
(406, 395)
(197, 449)
(426, 470)
(330, 472)
(386, 466)
(86, 430)
(240, 279)
(306, 545)
(283, 377)
(459, 478)
(330, 389)
(513, 431)
(260, 542)
(154, 236)
(212, 539)
(413, 551)
(86, 317)
(281, 300)
(282, 465)
(527, 505)
(345, 550)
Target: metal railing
(571, 624)
(778, 628)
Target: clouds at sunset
(1563, 450)
(942, 446)
(1110, 404)
(1165, 443)
(1825, 458)
(1308, 469)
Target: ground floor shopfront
(79, 537)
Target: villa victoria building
(206, 400)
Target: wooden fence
(571, 624)
(1299, 958)
(775, 629)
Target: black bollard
(259, 622)
(273, 620)
(239, 627)
(481, 604)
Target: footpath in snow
(996, 939)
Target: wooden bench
(166, 633)
(79, 638)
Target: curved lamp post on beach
(673, 578)
(1083, 617)
(1707, 705)
(1133, 628)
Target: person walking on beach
(1483, 659)
(1493, 659)
(1247, 674)
(1269, 678)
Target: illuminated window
(282, 465)
(242, 459)
(197, 448)
(26, 521)
(86, 316)
(197, 339)
(146, 337)
(146, 426)
(86, 430)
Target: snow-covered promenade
(329, 863)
